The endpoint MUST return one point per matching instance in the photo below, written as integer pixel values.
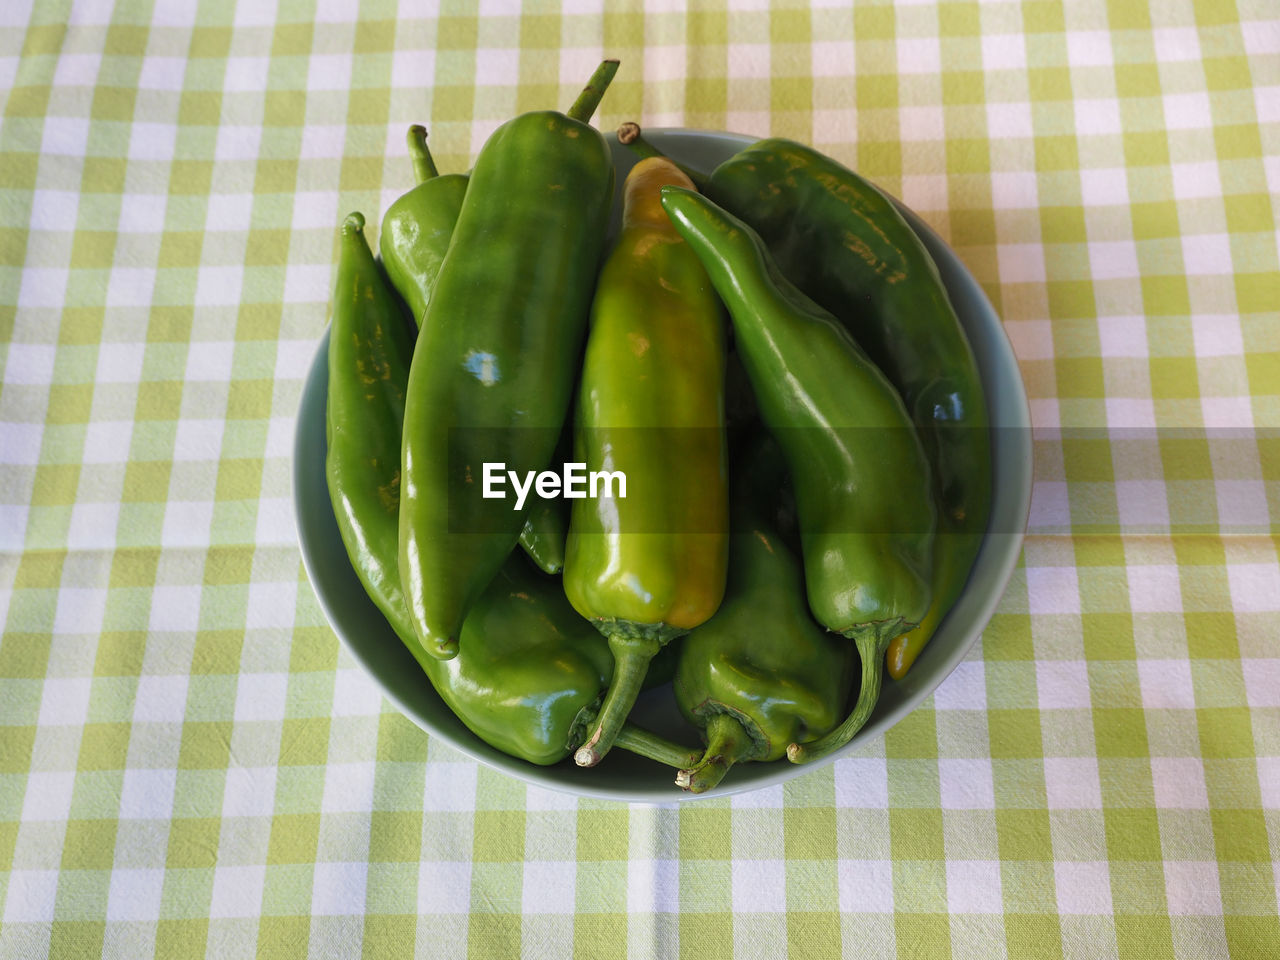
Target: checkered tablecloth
(190, 765)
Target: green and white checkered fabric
(190, 766)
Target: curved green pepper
(861, 479)
(369, 350)
(416, 229)
(843, 242)
(494, 367)
(651, 566)
(760, 674)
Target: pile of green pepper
(500, 326)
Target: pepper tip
(670, 191)
(445, 649)
(628, 132)
(353, 224)
(895, 658)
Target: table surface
(190, 765)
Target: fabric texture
(190, 765)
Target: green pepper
(861, 479)
(369, 350)
(760, 674)
(494, 366)
(651, 566)
(529, 673)
(844, 243)
(416, 229)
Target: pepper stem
(646, 743)
(637, 740)
(727, 743)
(589, 98)
(630, 135)
(872, 641)
(631, 656)
(424, 168)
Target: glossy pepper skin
(547, 526)
(760, 674)
(369, 349)
(416, 231)
(652, 566)
(494, 366)
(417, 227)
(544, 533)
(844, 244)
(530, 671)
(861, 479)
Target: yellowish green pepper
(651, 566)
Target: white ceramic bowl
(624, 776)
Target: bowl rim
(996, 559)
